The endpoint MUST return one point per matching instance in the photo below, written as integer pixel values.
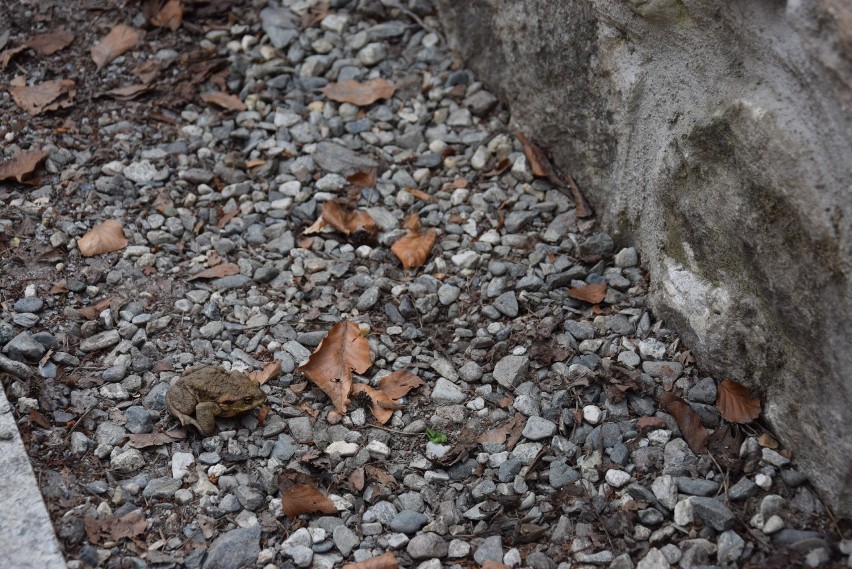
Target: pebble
(235, 548)
(446, 391)
(592, 414)
(491, 549)
(510, 370)
(427, 545)
(617, 478)
(538, 428)
(713, 513)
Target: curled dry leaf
(223, 270)
(399, 383)
(349, 222)
(105, 237)
(499, 434)
(383, 398)
(129, 92)
(43, 44)
(330, 367)
(687, 420)
(40, 97)
(92, 312)
(270, 370)
(735, 404)
(145, 440)
(118, 41)
(593, 293)
(22, 164)
(169, 15)
(491, 564)
(106, 528)
(382, 405)
(305, 499)
(422, 196)
(363, 178)
(224, 100)
(360, 94)
(539, 163)
(383, 561)
(413, 248)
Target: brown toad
(201, 394)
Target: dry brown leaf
(423, 196)
(399, 383)
(649, 423)
(734, 403)
(92, 312)
(349, 222)
(305, 499)
(105, 237)
(412, 222)
(40, 97)
(593, 293)
(491, 564)
(768, 441)
(106, 528)
(382, 405)
(414, 248)
(118, 41)
(226, 217)
(687, 420)
(359, 94)
(170, 15)
(223, 270)
(499, 434)
(22, 164)
(147, 71)
(383, 561)
(330, 367)
(270, 370)
(315, 14)
(380, 476)
(224, 100)
(363, 179)
(255, 163)
(43, 44)
(59, 287)
(357, 479)
(129, 92)
(145, 440)
(316, 227)
(539, 164)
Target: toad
(201, 394)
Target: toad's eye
(247, 399)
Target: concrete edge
(27, 539)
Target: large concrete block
(718, 137)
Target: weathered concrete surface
(27, 539)
(716, 136)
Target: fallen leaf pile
(344, 350)
(349, 222)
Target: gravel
(485, 322)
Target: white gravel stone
(616, 478)
(342, 448)
(592, 414)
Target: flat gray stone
(538, 428)
(445, 391)
(100, 341)
(23, 347)
(507, 304)
(426, 546)
(234, 549)
(491, 549)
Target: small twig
(725, 481)
(77, 422)
(390, 430)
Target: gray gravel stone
(507, 304)
(28, 304)
(234, 549)
(161, 488)
(345, 539)
(713, 513)
(744, 488)
(100, 341)
(491, 549)
(445, 391)
(730, 547)
(510, 370)
(23, 347)
(696, 486)
(561, 474)
(426, 546)
(408, 521)
(538, 428)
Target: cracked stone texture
(739, 197)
